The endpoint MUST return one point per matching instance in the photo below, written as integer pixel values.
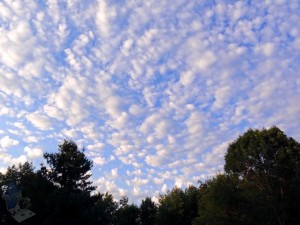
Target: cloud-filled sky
(154, 90)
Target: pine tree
(69, 167)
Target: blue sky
(154, 90)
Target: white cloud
(30, 139)
(155, 160)
(149, 123)
(10, 160)
(105, 14)
(114, 173)
(53, 112)
(222, 95)
(106, 185)
(5, 111)
(268, 49)
(19, 125)
(164, 188)
(187, 78)
(95, 147)
(195, 123)
(3, 170)
(12, 42)
(10, 86)
(112, 106)
(7, 142)
(99, 161)
(70, 133)
(21, 159)
(137, 172)
(206, 60)
(136, 110)
(158, 180)
(89, 132)
(33, 152)
(139, 181)
(41, 122)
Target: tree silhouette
(70, 167)
(270, 161)
(148, 211)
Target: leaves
(148, 211)
(270, 161)
(70, 167)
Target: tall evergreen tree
(70, 167)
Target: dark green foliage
(178, 207)
(71, 208)
(221, 202)
(171, 207)
(128, 215)
(123, 201)
(269, 161)
(148, 211)
(259, 153)
(105, 209)
(22, 175)
(191, 195)
(70, 167)
(33, 185)
(70, 202)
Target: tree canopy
(70, 167)
(270, 161)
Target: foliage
(171, 207)
(270, 161)
(148, 211)
(70, 202)
(220, 202)
(32, 185)
(70, 167)
(128, 215)
(105, 209)
(178, 206)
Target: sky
(153, 90)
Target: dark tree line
(260, 185)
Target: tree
(19, 174)
(222, 201)
(270, 161)
(71, 202)
(191, 196)
(178, 206)
(148, 211)
(171, 208)
(128, 215)
(104, 210)
(32, 185)
(70, 167)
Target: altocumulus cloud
(155, 91)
